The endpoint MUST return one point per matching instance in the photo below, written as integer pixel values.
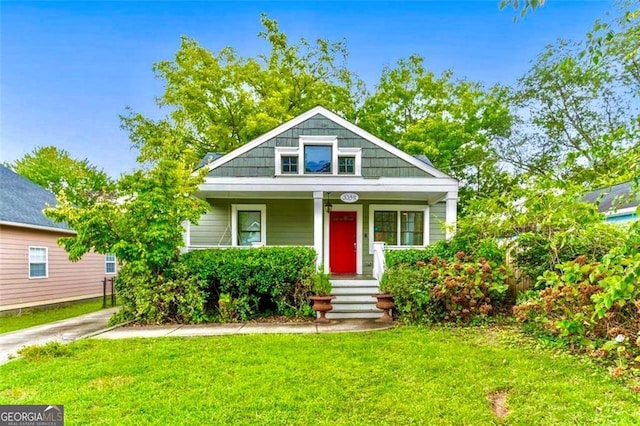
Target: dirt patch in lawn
(498, 402)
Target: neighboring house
(616, 202)
(34, 270)
(321, 181)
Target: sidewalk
(336, 326)
(60, 331)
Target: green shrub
(487, 248)
(461, 290)
(178, 297)
(258, 282)
(589, 305)
(537, 253)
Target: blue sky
(68, 69)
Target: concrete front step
(354, 283)
(366, 298)
(354, 315)
(366, 290)
(339, 305)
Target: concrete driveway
(60, 331)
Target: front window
(249, 227)
(317, 158)
(110, 264)
(385, 227)
(399, 226)
(346, 165)
(37, 262)
(289, 164)
(412, 228)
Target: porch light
(328, 206)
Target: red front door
(342, 242)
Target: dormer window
(318, 155)
(289, 164)
(318, 159)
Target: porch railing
(379, 263)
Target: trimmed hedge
(255, 282)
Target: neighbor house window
(37, 262)
(289, 164)
(399, 226)
(249, 224)
(346, 165)
(110, 264)
(317, 158)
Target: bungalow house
(321, 181)
(34, 270)
(616, 202)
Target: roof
(424, 159)
(420, 163)
(615, 197)
(208, 158)
(22, 202)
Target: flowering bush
(591, 305)
(459, 290)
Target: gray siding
(260, 161)
(289, 222)
(436, 222)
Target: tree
(140, 222)
(453, 122)
(219, 101)
(55, 170)
(579, 109)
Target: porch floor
(351, 277)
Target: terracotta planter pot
(385, 302)
(322, 304)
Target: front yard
(404, 376)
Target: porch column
(186, 236)
(317, 225)
(451, 213)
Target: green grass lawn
(31, 318)
(398, 377)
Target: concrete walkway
(60, 331)
(94, 325)
(336, 326)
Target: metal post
(104, 292)
(113, 293)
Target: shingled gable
(416, 162)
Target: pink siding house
(34, 270)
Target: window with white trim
(318, 159)
(346, 165)
(110, 263)
(289, 164)
(38, 262)
(399, 226)
(317, 155)
(248, 224)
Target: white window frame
(107, 261)
(399, 209)
(336, 152)
(46, 262)
(262, 208)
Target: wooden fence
(520, 281)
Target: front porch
(344, 235)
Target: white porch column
(318, 225)
(186, 236)
(451, 213)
